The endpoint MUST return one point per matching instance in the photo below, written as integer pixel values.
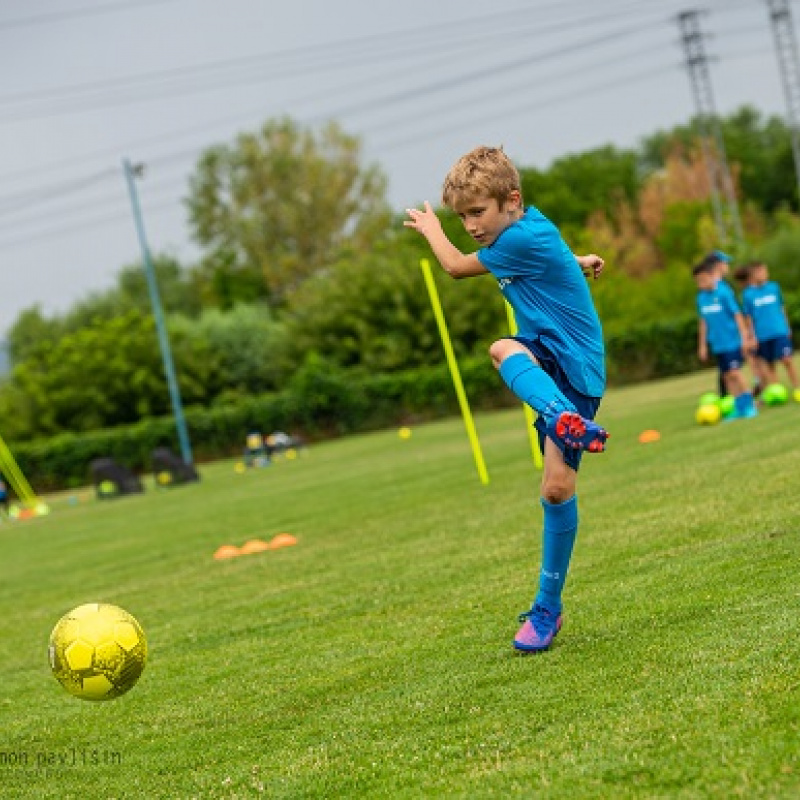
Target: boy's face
(760, 274)
(722, 268)
(485, 219)
(705, 281)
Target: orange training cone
(648, 436)
(226, 551)
(254, 546)
(282, 540)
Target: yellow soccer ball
(164, 478)
(97, 651)
(708, 414)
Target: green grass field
(374, 658)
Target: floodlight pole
(163, 339)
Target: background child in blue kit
(556, 363)
(721, 265)
(768, 323)
(722, 328)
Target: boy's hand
(423, 221)
(591, 265)
(702, 352)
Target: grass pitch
(374, 658)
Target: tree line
(303, 258)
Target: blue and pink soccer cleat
(540, 626)
(578, 433)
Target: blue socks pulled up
(744, 404)
(534, 386)
(558, 539)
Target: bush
(319, 401)
(325, 400)
(653, 350)
(660, 349)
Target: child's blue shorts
(772, 350)
(586, 406)
(732, 359)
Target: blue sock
(534, 386)
(560, 530)
(744, 402)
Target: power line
(74, 98)
(455, 82)
(482, 73)
(156, 190)
(47, 193)
(372, 104)
(513, 89)
(77, 13)
(537, 104)
(60, 231)
(582, 47)
(299, 55)
(64, 106)
(546, 102)
(173, 202)
(192, 131)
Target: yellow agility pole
(15, 477)
(535, 451)
(454, 372)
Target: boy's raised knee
(558, 489)
(500, 350)
(496, 351)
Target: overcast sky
(88, 82)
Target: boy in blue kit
(557, 362)
(722, 328)
(768, 323)
(721, 263)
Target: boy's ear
(514, 199)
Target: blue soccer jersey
(725, 288)
(539, 276)
(764, 305)
(718, 308)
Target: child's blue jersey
(718, 308)
(539, 276)
(764, 305)
(724, 287)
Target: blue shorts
(732, 359)
(586, 406)
(772, 350)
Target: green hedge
(653, 350)
(659, 349)
(323, 401)
(320, 402)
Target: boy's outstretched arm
(453, 261)
(591, 265)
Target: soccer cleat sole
(579, 433)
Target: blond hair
(483, 172)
